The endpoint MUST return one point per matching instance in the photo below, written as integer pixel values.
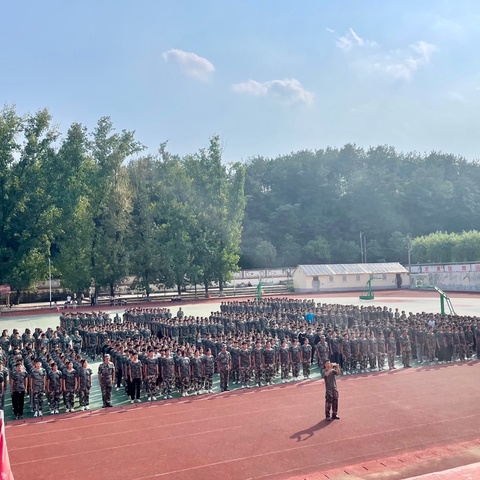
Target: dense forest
(313, 206)
(94, 207)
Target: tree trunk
(220, 285)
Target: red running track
(275, 432)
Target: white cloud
(289, 89)
(251, 87)
(351, 39)
(330, 30)
(190, 63)
(402, 64)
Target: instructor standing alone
(331, 392)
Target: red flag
(5, 470)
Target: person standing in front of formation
(37, 388)
(331, 392)
(106, 375)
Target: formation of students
(150, 353)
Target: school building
(349, 276)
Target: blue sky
(269, 77)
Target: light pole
(50, 279)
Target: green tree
(219, 209)
(28, 215)
(317, 251)
(111, 204)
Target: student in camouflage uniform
(420, 341)
(168, 374)
(354, 348)
(431, 342)
(363, 352)
(85, 384)
(234, 352)
(257, 358)
(372, 351)
(470, 341)
(106, 375)
(150, 365)
(70, 387)
(208, 370)
(346, 354)
(184, 371)
(54, 388)
(119, 360)
(37, 388)
(462, 349)
(269, 362)
(296, 356)
(245, 364)
(306, 355)
(77, 342)
(440, 344)
(331, 391)
(456, 344)
(196, 365)
(285, 361)
(406, 349)
(224, 361)
(391, 350)
(448, 342)
(381, 348)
